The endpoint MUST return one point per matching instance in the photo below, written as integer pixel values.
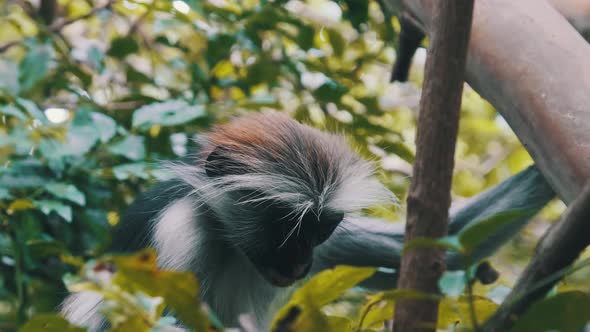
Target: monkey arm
(374, 242)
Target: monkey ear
(219, 163)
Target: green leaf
(13, 111)
(48, 206)
(472, 236)
(5, 194)
(265, 70)
(122, 47)
(135, 76)
(96, 59)
(81, 73)
(132, 147)
(32, 109)
(452, 283)
(106, 126)
(337, 41)
(219, 48)
(123, 172)
(44, 248)
(265, 19)
(564, 312)
(257, 102)
(305, 36)
(66, 191)
(330, 91)
(35, 65)
(16, 179)
(49, 323)
(80, 139)
(168, 113)
(9, 73)
(357, 13)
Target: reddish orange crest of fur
(259, 130)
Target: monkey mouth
(277, 279)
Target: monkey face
(288, 254)
(284, 241)
(280, 188)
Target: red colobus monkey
(264, 201)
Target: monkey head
(280, 188)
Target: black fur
(133, 231)
(410, 38)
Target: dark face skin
(284, 262)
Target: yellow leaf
(456, 313)
(20, 204)
(379, 306)
(223, 69)
(236, 93)
(320, 290)
(180, 290)
(113, 218)
(155, 130)
(72, 260)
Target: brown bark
(534, 67)
(559, 248)
(429, 198)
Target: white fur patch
(359, 190)
(82, 309)
(175, 235)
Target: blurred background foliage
(94, 93)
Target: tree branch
(533, 66)
(560, 246)
(429, 197)
(58, 26)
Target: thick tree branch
(534, 67)
(559, 248)
(429, 198)
(577, 12)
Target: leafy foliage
(91, 100)
(567, 311)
